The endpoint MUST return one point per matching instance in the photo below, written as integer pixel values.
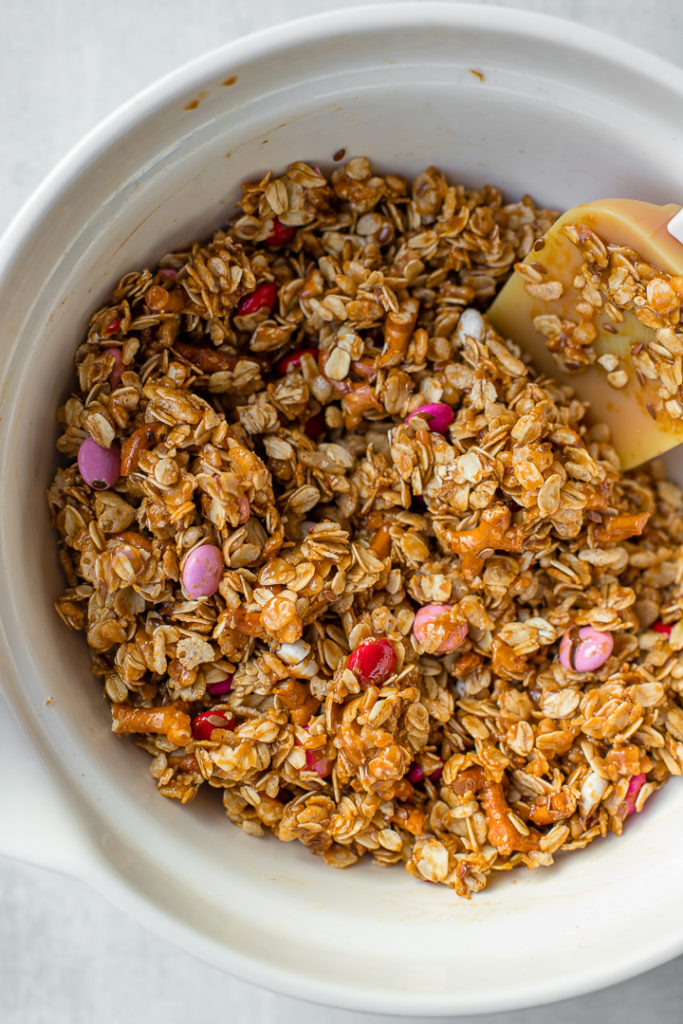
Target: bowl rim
(101, 873)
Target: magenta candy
(438, 415)
(634, 787)
(586, 649)
(119, 366)
(222, 686)
(416, 773)
(100, 467)
(203, 571)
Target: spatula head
(597, 305)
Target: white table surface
(66, 955)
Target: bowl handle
(38, 824)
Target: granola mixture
(340, 554)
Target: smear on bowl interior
(340, 554)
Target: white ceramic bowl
(558, 111)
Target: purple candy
(585, 650)
(100, 467)
(223, 686)
(203, 570)
(438, 415)
(119, 366)
(415, 773)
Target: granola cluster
(375, 668)
(615, 283)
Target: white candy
(470, 325)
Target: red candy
(416, 773)
(373, 661)
(204, 724)
(281, 233)
(662, 627)
(314, 427)
(317, 762)
(292, 361)
(263, 297)
(112, 327)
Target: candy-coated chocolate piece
(434, 629)
(373, 661)
(634, 787)
(281, 233)
(119, 366)
(204, 724)
(203, 570)
(292, 360)
(222, 686)
(100, 467)
(263, 297)
(585, 649)
(438, 415)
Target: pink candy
(435, 631)
(586, 649)
(119, 366)
(100, 467)
(244, 508)
(203, 571)
(634, 788)
(438, 415)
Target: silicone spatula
(644, 421)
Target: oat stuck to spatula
(597, 305)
